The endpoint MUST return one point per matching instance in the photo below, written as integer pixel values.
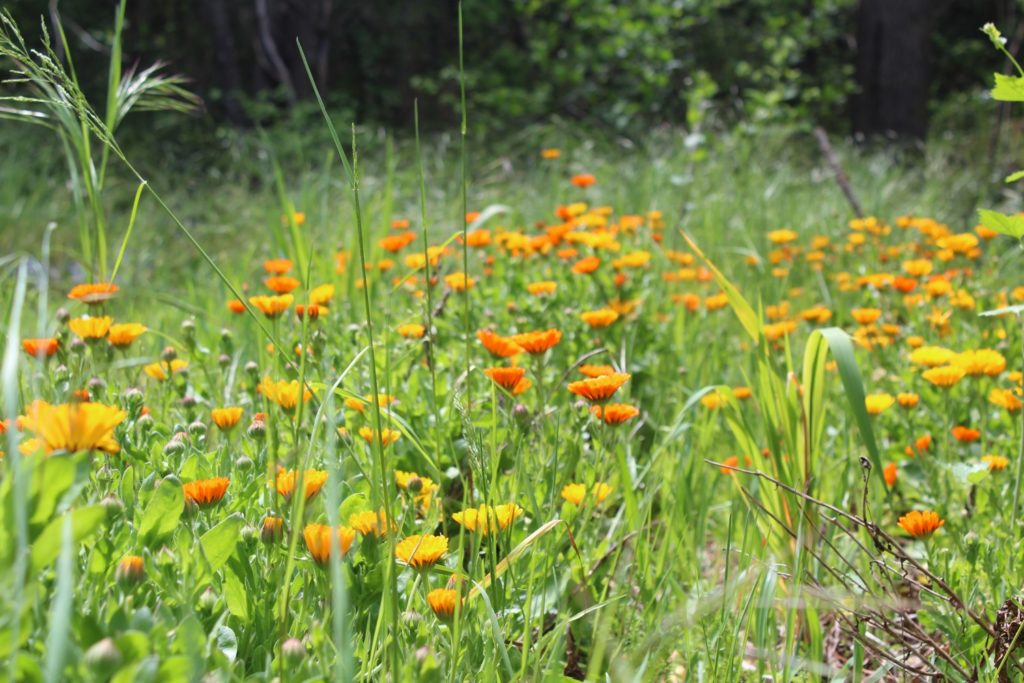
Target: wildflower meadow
(343, 402)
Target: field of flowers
(574, 415)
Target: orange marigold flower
(319, 541)
(277, 266)
(742, 393)
(583, 180)
(944, 376)
(866, 316)
(599, 388)
(728, 464)
(575, 493)
(370, 522)
(313, 481)
(272, 306)
(965, 434)
(614, 413)
(536, 342)
(459, 282)
(205, 492)
(596, 370)
(541, 288)
(123, 334)
(130, 570)
(226, 418)
(907, 400)
(236, 306)
(73, 427)
(93, 293)
(443, 601)
(996, 463)
(502, 347)
(40, 347)
(283, 392)
(359, 405)
(389, 436)
(400, 224)
(272, 529)
(921, 523)
(91, 329)
(600, 318)
(776, 331)
(281, 284)
(889, 472)
(1005, 398)
(411, 330)
(586, 266)
(505, 377)
(982, 362)
(550, 153)
(487, 519)
(421, 551)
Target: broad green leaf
(1008, 88)
(163, 510)
(127, 486)
(1002, 223)
(84, 521)
(219, 543)
(51, 478)
(225, 640)
(1014, 177)
(236, 597)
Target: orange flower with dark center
(583, 180)
(920, 524)
(319, 542)
(205, 492)
(537, 342)
(505, 377)
(272, 306)
(94, 293)
(37, 348)
(281, 284)
(615, 413)
(601, 388)
(502, 347)
(277, 266)
(965, 434)
(586, 266)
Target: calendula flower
(544, 287)
(921, 523)
(965, 434)
(996, 463)
(74, 427)
(586, 266)
(931, 356)
(411, 330)
(981, 362)
(313, 481)
(1005, 398)
(91, 329)
(907, 400)
(236, 306)
(421, 551)
(443, 601)
(889, 472)
(782, 236)
(583, 180)
(486, 519)
(614, 413)
(713, 400)
(158, 371)
(281, 284)
(505, 377)
(44, 348)
(226, 418)
(599, 388)
(383, 400)
(944, 376)
(878, 403)
(321, 296)
(130, 570)
(272, 306)
(93, 293)
(776, 331)
(205, 492)
(550, 153)
(742, 393)
(283, 392)
(389, 436)
(596, 370)
(917, 267)
(123, 334)
(499, 346)
(370, 522)
(277, 266)
(272, 529)
(319, 542)
(575, 493)
(536, 343)
(422, 488)
(866, 316)
(458, 282)
(600, 318)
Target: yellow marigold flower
(319, 542)
(866, 316)
(575, 493)
(158, 371)
(931, 356)
(313, 481)
(776, 331)
(878, 403)
(370, 522)
(206, 492)
(459, 282)
(981, 362)
(443, 600)
(599, 318)
(782, 236)
(74, 427)
(123, 334)
(1005, 398)
(550, 153)
(907, 400)
(226, 418)
(389, 435)
(944, 376)
(917, 267)
(272, 306)
(919, 524)
(284, 393)
(91, 329)
(421, 551)
(816, 314)
(422, 488)
(713, 400)
(716, 301)
(411, 330)
(915, 342)
(322, 295)
(359, 405)
(996, 463)
(938, 287)
(601, 388)
(487, 519)
(742, 393)
(542, 288)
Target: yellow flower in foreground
(226, 418)
(486, 519)
(575, 493)
(123, 334)
(74, 427)
(995, 463)
(283, 392)
(158, 371)
(945, 376)
(420, 551)
(878, 403)
(91, 329)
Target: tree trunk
(893, 45)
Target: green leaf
(1008, 88)
(219, 543)
(163, 511)
(740, 306)
(1014, 177)
(84, 521)
(235, 596)
(51, 478)
(1002, 223)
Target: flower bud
(293, 651)
(77, 346)
(63, 315)
(223, 360)
(197, 428)
(243, 462)
(415, 485)
(252, 370)
(174, 447)
(130, 570)
(188, 402)
(208, 600)
(273, 529)
(168, 354)
(61, 373)
(257, 429)
(133, 397)
(145, 423)
(103, 658)
(96, 386)
(227, 344)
